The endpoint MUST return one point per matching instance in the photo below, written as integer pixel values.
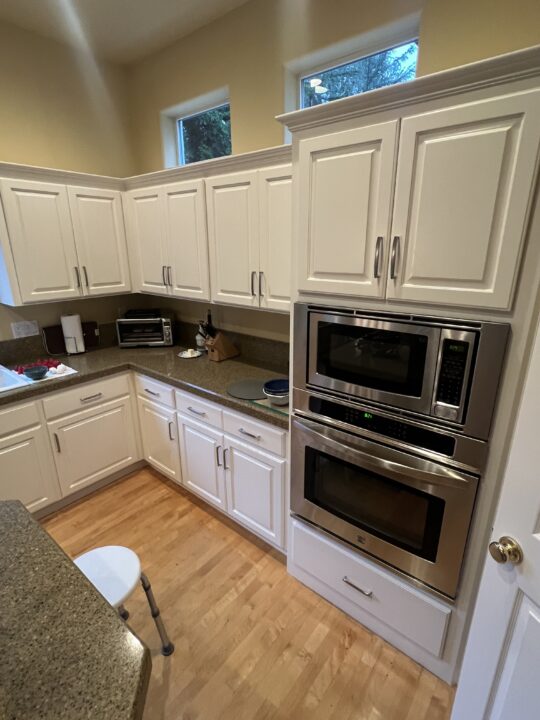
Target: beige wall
(59, 109)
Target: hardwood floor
(251, 641)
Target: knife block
(221, 348)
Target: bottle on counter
(200, 337)
(210, 329)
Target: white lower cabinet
(159, 438)
(26, 468)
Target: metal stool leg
(123, 612)
(167, 648)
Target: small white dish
(190, 353)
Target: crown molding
(62, 177)
(498, 70)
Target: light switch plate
(24, 328)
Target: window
(388, 67)
(204, 135)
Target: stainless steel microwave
(144, 332)
(445, 369)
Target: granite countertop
(66, 654)
(200, 376)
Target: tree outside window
(205, 135)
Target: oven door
(133, 332)
(383, 361)
(407, 511)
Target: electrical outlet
(24, 328)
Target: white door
(500, 674)
(98, 223)
(275, 223)
(464, 180)
(159, 438)
(201, 453)
(145, 226)
(233, 233)
(93, 444)
(26, 469)
(42, 240)
(345, 195)
(187, 239)
(255, 484)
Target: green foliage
(206, 135)
(375, 71)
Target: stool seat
(114, 571)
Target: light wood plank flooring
(251, 641)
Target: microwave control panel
(452, 378)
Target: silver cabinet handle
(163, 276)
(85, 276)
(151, 392)
(169, 275)
(394, 260)
(261, 274)
(253, 280)
(89, 398)
(367, 593)
(225, 466)
(251, 435)
(197, 412)
(218, 462)
(378, 258)
(171, 435)
(78, 276)
(57, 442)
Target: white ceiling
(119, 30)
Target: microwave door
(386, 362)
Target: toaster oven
(144, 329)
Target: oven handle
(434, 476)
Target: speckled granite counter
(66, 655)
(200, 376)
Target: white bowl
(277, 399)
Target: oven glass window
(144, 331)
(390, 510)
(379, 359)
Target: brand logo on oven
(361, 539)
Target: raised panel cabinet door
(42, 240)
(345, 196)
(255, 490)
(26, 469)
(145, 226)
(275, 222)
(160, 438)
(98, 223)
(233, 233)
(464, 181)
(201, 453)
(93, 444)
(187, 240)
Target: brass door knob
(506, 550)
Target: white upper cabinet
(98, 223)
(464, 180)
(187, 241)
(345, 192)
(233, 229)
(147, 241)
(42, 240)
(275, 207)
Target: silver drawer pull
(171, 433)
(57, 442)
(151, 392)
(367, 593)
(218, 459)
(251, 435)
(89, 398)
(196, 412)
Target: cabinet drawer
(85, 396)
(416, 615)
(154, 390)
(259, 434)
(199, 410)
(13, 419)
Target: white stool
(115, 571)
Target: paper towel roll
(73, 335)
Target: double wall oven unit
(389, 435)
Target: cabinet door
(98, 223)
(42, 240)
(464, 182)
(187, 239)
(201, 453)
(345, 191)
(146, 239)
(26, 469)
(159, 438)
(233, 232)
(275, 206)
(255, 490)
(93, 444)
